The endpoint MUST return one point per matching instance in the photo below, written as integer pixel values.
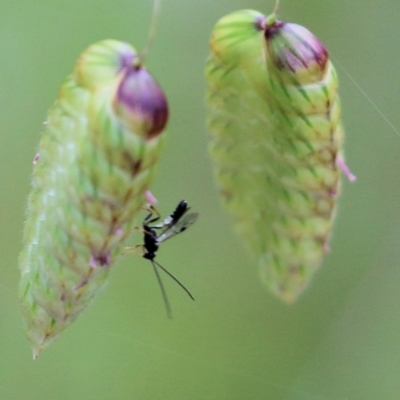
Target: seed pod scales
(276, 142)
(96, 158)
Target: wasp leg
(134, 249)
(139, 228)
(152, 210)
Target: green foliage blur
(340, 341)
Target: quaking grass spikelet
(96, 159)
(276, 142)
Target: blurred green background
(341, 341)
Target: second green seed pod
(276, 141)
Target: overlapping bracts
(96, 159)
(276, 142)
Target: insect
(276, 142)
(171, 226)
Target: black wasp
(154, 235)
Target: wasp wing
(181, 209)
(181, 225)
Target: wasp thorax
(298, 55)
(140, 103)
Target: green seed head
(276, 142)
(96, 159)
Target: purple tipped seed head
(140, 102)
(294, 50)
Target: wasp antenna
(163, 291)
(152, 31)
(175, 279)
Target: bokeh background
(340, 341)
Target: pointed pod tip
(36, 352)
(290, 295)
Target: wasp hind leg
(135, 249)
(152, 210)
